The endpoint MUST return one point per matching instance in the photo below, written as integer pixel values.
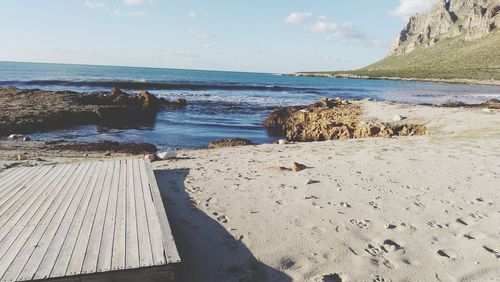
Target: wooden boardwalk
(102, 220)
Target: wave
(145, 85)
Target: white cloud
(192, 14)
(343, 32)
(408, 8)
(298, 17)
(95, 4)
(119, 13)
(200, 34)
(133, 2)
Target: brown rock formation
(229, 143)
(25, 111)
(332, 120)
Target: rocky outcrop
(229, 143)
(104, 146)
(472, 19)
(31, 110)
(331, 120)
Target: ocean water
(221, 104)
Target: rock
(179, 104)
(332, 120)
(107, 147)
(21, 157)
(472, 19)
(229, 143)
(26, 138)
(150, 157)
(298, 167)
(398, 118)
(30, 110)
(166, 155)
(283, 142)
(17, 137)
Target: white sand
(409, 209)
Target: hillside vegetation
(447, 59)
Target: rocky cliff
(472, 19)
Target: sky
(252, 35)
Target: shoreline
(434, 80)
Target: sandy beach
(423, 208)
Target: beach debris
(298, 167)
(150, 157)
(390, 226)
(21, 157)
(232, 142)
(107, 154)
(310, 181)
(398, 118)
(166, 155)
(283, 142)
(486, 110)
(19, 137)
(305, 111)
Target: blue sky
(252, 35)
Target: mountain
(457, 41)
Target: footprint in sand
(221, 218)
(373, 204)
(379, 278)
(390, 245)
(448, 253)
(434, 224)
(328, 278)
(492, 251)
(373, 251)
(344, 204)
(360, 223)
(287, 263)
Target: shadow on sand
(208, 251)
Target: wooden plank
(132, 243)
(168, 239)
(145, 252)
(50, 220)
(49, 260)
(43, 246)
(153, 222)
(106, 249)
(84, 221)
(93, 248)
(63, 259)
(19, 234)
(18, 186)
(78, 256)
(20, 211)
(11, 176)
(118, 258)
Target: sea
(220, 104)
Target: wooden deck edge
(169, 245)
(164, 273)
